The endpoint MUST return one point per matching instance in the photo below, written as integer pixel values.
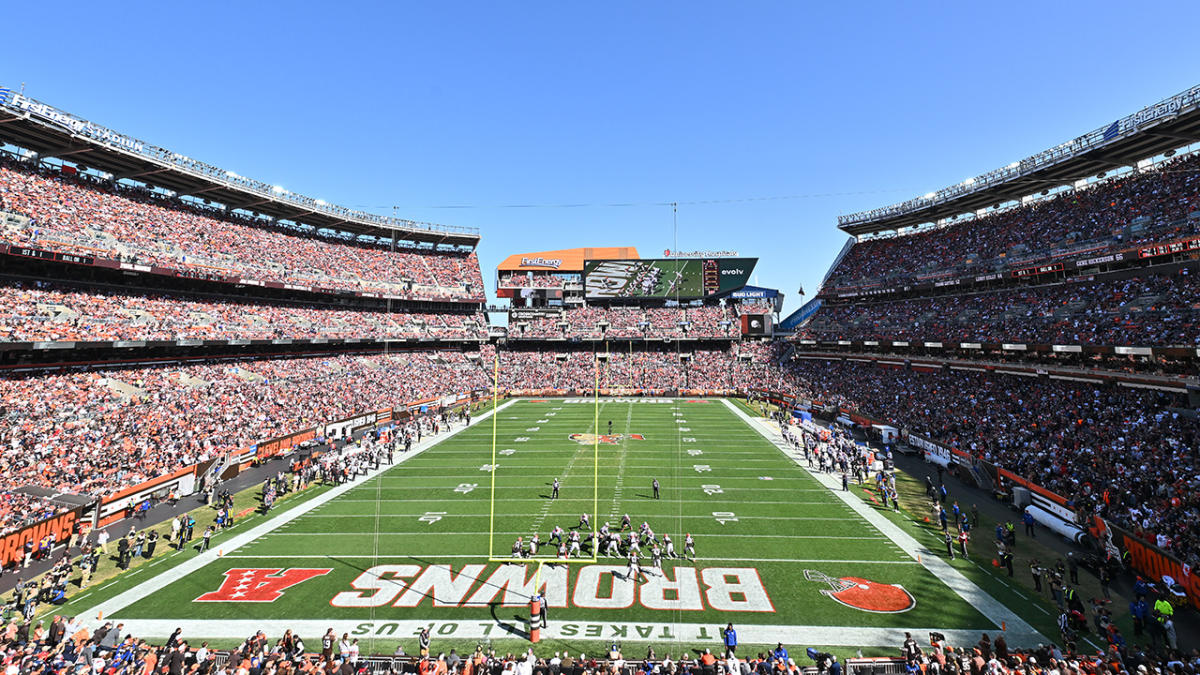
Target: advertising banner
(12, 546)
(282, 444)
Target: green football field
(427, 543)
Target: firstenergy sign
(554, 263)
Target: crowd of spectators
(96, 432)
(1125, 454)
(76, 214)
(1101, 214)
(597, 322)
(73, 645)
(47, 313)
(537, 280)
(759, 306)
(1146, 310)
(709, 369)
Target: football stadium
(253, 432)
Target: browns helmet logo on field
(610, 439)
(864, 594)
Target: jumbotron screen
(686, 279)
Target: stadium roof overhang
(1155, 130)
(52, 133)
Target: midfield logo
(610, 439)
(864, 594)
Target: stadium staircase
(123, 389)
(57, 313)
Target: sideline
(120, 601)
(1019, 632)
(693, 633)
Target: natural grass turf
(783, 525)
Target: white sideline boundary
(124, 599)
(1019, 631)
(849, 636)
(691, 633)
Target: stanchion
(535, 619)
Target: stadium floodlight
(930, 195)
(320, 202)
(231, 174)
(969, 181)
(278, 189)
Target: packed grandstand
(144, 333)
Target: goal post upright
(596, 455)
(495, 416)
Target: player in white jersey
(633, 545)
(689, 547)
(656, 558)
(626, 523)
(574, 544)
(562, 552)
(647, 534)
(518, 548)
(614, 545)
(669, 545)
(635, 569)
(585, 522)
(533, 545)
(556, 533)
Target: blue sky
(784, 114)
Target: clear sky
(764, 120)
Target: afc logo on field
(258, 584)
(608, 439)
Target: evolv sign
(12, 547)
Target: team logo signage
(728, 589)
(864, 594)
(609, 439)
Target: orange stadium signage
(565, 260)
(12, 546)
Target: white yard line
(144, 589)
(837, 519)
(1019, 631)
(536, 525)
(462, 500)
(462, 556)
(728, 535)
